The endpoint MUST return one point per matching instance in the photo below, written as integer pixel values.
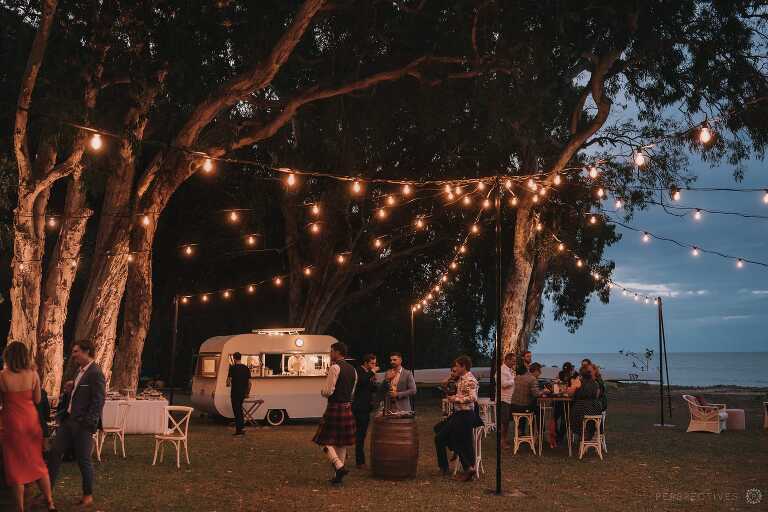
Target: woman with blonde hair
(22, 435)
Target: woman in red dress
(22, 434)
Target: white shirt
(396, 379)
(507, 383)
(74, 386)
(330, 381)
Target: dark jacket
(44, 413)
(345, 385)
(365, 393)
(240, 379)
(87, 400)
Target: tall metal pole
(174, 336)
(413, 351)
(666, 360)
(661, 363)
(497, 368)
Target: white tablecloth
(144, 416)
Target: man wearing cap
(239, 381)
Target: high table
(549, 402)
(144, 416)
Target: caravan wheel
(276, 417)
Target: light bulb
(130, 258)
(600, 192)
(250, 240)
(73, 264)
(278, 281)
(539, 226)
(739, 263)
(437, 288)
(487, 203)
(377, 243)
(22, 267)
(765, 197)
(413, 309)
(185, 300)
(251, 288)
(204, 298)
(227, 294)
(593, 219)
(418, 306)
(697, 214)
(458, 191)
(291, 180)
(463, 249)
(619, 204)
(448, 189)
(233, 216)
(656, 301)
(508, 183)
(188, 250)
(340, 259)
(391, 200)
(695, 251)
(96, 142)
(636, 297)
(513, 201)
(467, 201)
(207, 166)
(480, 186)
(579, 263)
(429, 297)
(450, 196)
(307, 271)
(356, 187)
(532, 184)
(639, 157)
(406, 190)
(453, 265)
(145, 220)
(52, 222)
(675, 195)
(444, 278)
(593, 172)
(561, 247)
(595, 276)
(424, 303)
(419, 223)
(314, 228)
(647, 300)
(624, 292)
(543, 192)
(646, 237)
(557, 179)
(382, 213)
(315, 209)
(475, 228)
(535, 198)
(705, 135)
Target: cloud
(747, 291)
(671, 290)
(759, 292)
(735, 317)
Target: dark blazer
(88, 400)
(365, 393)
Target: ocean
(685, 368)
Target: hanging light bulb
(458, 191)
(251, 288)
(406, 190)
(437, 288)
(145, 220)
(250, 240)
(188, 250)
(419, 223)
(377, 243)
(453, 265)
(73, 264)
(595, 276)
(96, 142)
(535, 198)
(557, 179)
(486, 204)
(636, 297)
(513, 201)
(593, 219)
(593, 172)
(314, 228)
(290, 180)
(579, 263)
(52, 222)
(418, 306)
(204, 298)
(340, 259)
(382, 213)
(739, 263)
(765, 197)
(467, 201)
(539, 226)
(424, 303)
(600, 192)
(475, 228)
(676, 194)
(480, 186)
(130, 258)
(207, 166)
(624, 292)
(647, 300)
(448, 189)
(561, 247)
(705, 134)
(391, 200)
(639, 157)
(227, 294)
(619, 204)
(315, 209)
(185, 300)
(508, 183)
(532, 184)
(695, 251)
(444, 278)
(697, 214)
(307, 271)
(543, 192)
(646, 237)
(463, 249)
(234, 216)
(450, 196)
(429, 297)
(356, 187)
(413, 309)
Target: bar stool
(531, 437)
(597, 440)
(478, 433)
(547, 412)
(602, 434)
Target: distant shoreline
(713, 388)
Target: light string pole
(497, 345)
(413, 351)
(174, 337)
(663, 364)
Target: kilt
(337, 427)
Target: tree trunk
(138, 311)
(62, 270)
(518, 280)
(533, 299)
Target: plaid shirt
(466, 393)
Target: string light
(96, 141)
(646, 237)
(377, 243)
(600, 192)
(619, 204)
(382, 213)
(444, 278)
(450, 196)
(413, 309)
(437, 288)
(278, 281)
(486, 203)
(130, 258)
(593, 219)
(535, 198)
(407, 190)
(508, 184)
(454, 265)
(480, 186)
(647, 300)
(463, 249)
(557, 180)
(52, 222)
(579, 263)
(561, 247)
(227, 294)
(705, 134)
(185, 300)
(475, 228)
(315, 209)
(639, 157)
(250, 240)
(391, 200)
(448, 189)
(593, 172)
(539, 226)
(513, 201)
(429, 297)
(467, 201)
(543, 192)
(204, 298)
(340, 259)
(290, 180)
(697, 214)
(458, 191)
(145, 220)
(188, 250)
(739, 263)
(207, 165)
(307, 271)
(314, 228)
(695, 251)
(636, 297)
(419, 223)
(251, 288)
(532, 184)
(676, 194)
(233, 216)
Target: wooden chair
(706, 418)
(597, 439)
(530, 438)
(117, 430)
(478, 433)
(175, 432)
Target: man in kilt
(337, 428)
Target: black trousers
(237, 408)
(457, 434)
(72, 435)
(362, 419)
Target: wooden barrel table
(394, 447)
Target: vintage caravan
(288, 369)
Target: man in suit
(79, 416)
(398, 386)
(363, 404)
(239, 380)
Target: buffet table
(144, 416)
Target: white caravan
(288, 369)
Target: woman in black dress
(586, 401)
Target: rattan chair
(706, 418)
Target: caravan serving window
(296, 364)
(207, 365)
(254, 362)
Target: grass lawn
(281, 469)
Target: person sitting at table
(601, 384)
(20, 392)
(586, 401)
(526, 391)
(565, 376)
(525, 362)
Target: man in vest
(337, 428)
